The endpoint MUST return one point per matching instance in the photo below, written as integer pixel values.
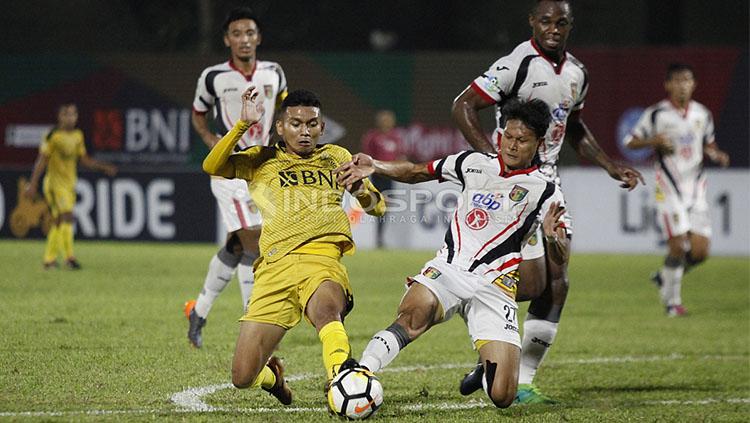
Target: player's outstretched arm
(361, 166)
(39, 165)
(716, 155)
(658, 142)
(555, 239)
(585, 144)
(107, 168)
(217, 162)
(465, 113)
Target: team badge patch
(533, 239)
(574, 90)
(477, 219)
(508, 283)
(518, 193)
(268, 90)
(431, 273)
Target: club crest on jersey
(518, 193)
(508, 282)
(477, 219)
(431, 273)
(268, 90)
(533, 239)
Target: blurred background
(132, 67)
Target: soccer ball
(355, 394)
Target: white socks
(538, 335)
(384, 347)
(220, 271)
(671, 285)
(246, 277)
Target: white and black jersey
(220, 89)
(497, 210)
(527, 73)
(681, 172)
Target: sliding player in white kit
(219, 90)
(539, 68)
(680, 131)
(503, 199)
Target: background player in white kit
(539, 68)
(475, 273)
(680, 131)
(219, 90)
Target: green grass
(112, 337)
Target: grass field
(108, 343)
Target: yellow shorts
(283, 288)
(59, 200)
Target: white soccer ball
(355, 394)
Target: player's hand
(719, 157)
(358, 168)
(109, 170)
(663, 144)
(552, 219)
(627, 175)
(252, 107)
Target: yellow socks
(66, 238)
(266, 379)
(53, 244)
(335, 347)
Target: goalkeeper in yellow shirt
(59, 154)
(304, 235)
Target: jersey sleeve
(583, 90)
(282, 84)
(81, 148)
(644, 128)
(709, 135)
(46, 147)
(451, 168)
(497, 81)
(204, 99)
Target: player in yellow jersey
(305, 232)
(59, 154)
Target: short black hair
(674, 68)
(300, 98)
(239, 13)
(533, 113)
(535, 6)
(65, 105)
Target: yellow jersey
(63, 148)
(298, 198)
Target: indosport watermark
(403, 205)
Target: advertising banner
(606, 218)
(130, 206)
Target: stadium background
(133, 77)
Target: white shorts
(490, 314)
(675, 219)
(237, 208)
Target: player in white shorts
(219, 91)
(539, 68)
(681, 132)
(476, 271)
